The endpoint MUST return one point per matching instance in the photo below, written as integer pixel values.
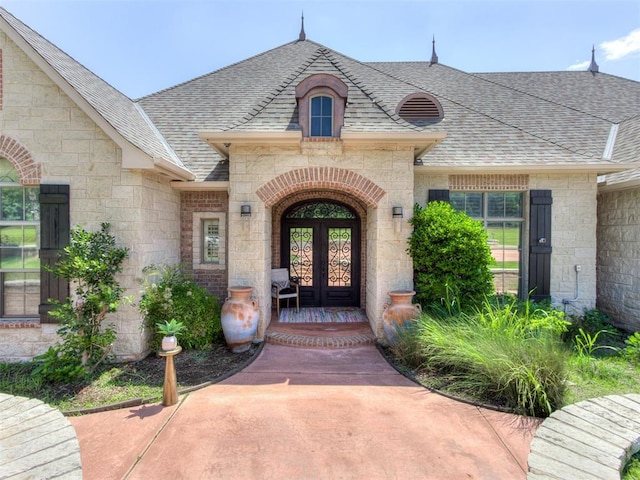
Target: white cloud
(579, 66)
(621, 47)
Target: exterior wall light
(245, 210)
(397, 212)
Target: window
(322, 99)
(209, 240)
(502, 216)
(19, 245)
(321, 116)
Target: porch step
(320, 335)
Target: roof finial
(593, 67)
(434, 57)
(302, 36)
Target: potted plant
(170, 329)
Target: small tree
(90, 263)
(451, 256)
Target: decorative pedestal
(239, 318)
(170, 390)
(399, 312)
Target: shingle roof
(114, 107)
(490, 119)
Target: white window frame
(198, 240)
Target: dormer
(321, 103)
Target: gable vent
(419, 108)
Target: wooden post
(170, 390)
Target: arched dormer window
(321, 116)
(321, 103)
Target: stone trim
(487, 182)
(21, 159)
(321, 178)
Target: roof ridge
(221, 69)
(270, 96)
(484, 114)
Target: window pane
(504, 241)
(326, 127)
(21, 293)
(8, 174)
(326, 106)
(469, 203)
(513, 205)
(505, 205)
(12, 203)
(301, 255)
(211, 240)
(316, 126)
(32, 204)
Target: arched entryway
(320, 245)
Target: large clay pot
(399, 313)
(239, 318)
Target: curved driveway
(299, 413)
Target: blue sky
(144, 46)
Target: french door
(323, 254)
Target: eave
(459, 168)
(421, 142)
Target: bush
(171, 294)
(90, 263)
(451, 257)
(593, 325)
(501, 353)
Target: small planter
(399, 313)
(169, 342)
(239, 318)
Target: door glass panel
(339, 258)
(301, 255)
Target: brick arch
(355, 204)
(28, 170)
(321, 178)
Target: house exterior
(303, 158)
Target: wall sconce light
(397, 215)
(245, 210)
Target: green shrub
(593, 327)
(90, 263)
(171, 294)
(632, 349)
(451, 257)
(499, 353)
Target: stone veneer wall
(573, 226)
(213, 279)
(619, 257)
(69, 148)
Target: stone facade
(619, 257)
(67, 147)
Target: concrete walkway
(307, 414)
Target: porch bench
(592, 439)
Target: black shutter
(438, 195)
(54, 236)
(540, 245)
